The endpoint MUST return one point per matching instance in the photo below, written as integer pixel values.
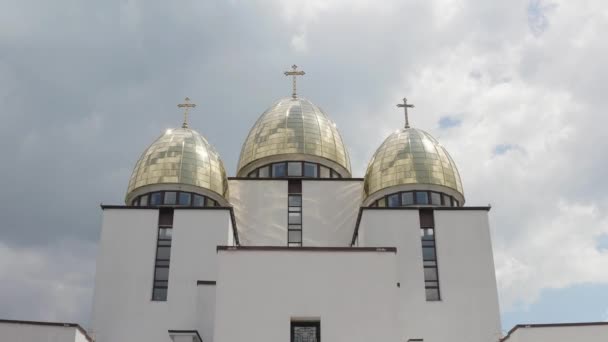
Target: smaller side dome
(408, 160)
(180, 160)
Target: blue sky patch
(446, 122)
(581, 303)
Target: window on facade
(156, 198)
(325, 172)
(447, 200)
(422, 197)
(429, 255)
(198, 201)
(185, 198)
(407, 198)
(278, 170)
(310, 170)
(393, 201)
(170, 197)
(163, 255)
(253, 174)
(294, 169)
(264, 172)
(305, 331)
(435, 198)
(294, 213)
(143, 201)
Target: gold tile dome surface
(294, 126)
(411, 156)
(180, 156)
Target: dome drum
(291, 157)
(431, 188)
(175, 187)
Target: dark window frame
(294, 189)
(296, 324)
(429, 241)
(161, 285)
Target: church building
(293, 248)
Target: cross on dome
(295, 73)
(405, 106)
(186, 105)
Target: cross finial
(405, 106)
(295, 73)
(186, 105)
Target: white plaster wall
(329, 211)
(205, 313)
(259, 292)
(469, 306)
(38, 333)
(587, 333)
(260, 207)
(122, 306)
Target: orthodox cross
(295, 73)
(186, 105)
(405, 106)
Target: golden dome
(293, 128)
(180, 159)
(412, 158)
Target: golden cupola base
(181, 160)
(409, 160)
(294, 129)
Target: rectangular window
(253, 174)
(407, 198)
(170, 197)
(264, 172)
(294, 213)
(422, 197)
(429, 255)
(305, 331)
(163, 255)
(310, 170)
(143, 200)
(278, 170)
(199, 201)
(393, 201)
(294, 169)
(155, 198)
(446, 200)
(185, 198)
(325, 172)
(435, 198)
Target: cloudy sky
(514, 89)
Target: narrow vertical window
(305, 331)
(429, 255)
(294, 213)
(163, 255)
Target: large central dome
(294, 129)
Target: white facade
(587, 332)
(123, 308)
(30, 331)
(351, 293)
(254, 292)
